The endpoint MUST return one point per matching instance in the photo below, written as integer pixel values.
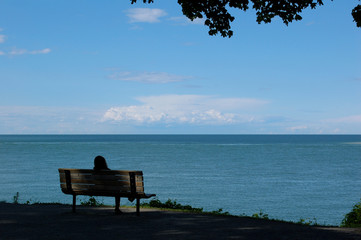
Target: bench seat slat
(104, 172)
(100, 177)
(102, 182)
(76, 187)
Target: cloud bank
(185, 109)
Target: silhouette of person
(100, 163)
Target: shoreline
(55, 221)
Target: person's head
(100, 163)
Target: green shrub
(261, 215)
(16, 198)
(353, 218)
(172, 204)
(169, 204)
(92, 202)
(219, 212)
(308, 222)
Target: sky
(111, 67)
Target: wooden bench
(110, 183)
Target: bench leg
(117, 204)
(74, 203)
(138, 203)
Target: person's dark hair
(100, 163)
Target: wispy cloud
(43, 51)
(17, 51)
(25, 51)
(148, 77)
(185, 109)
(186, 21)
(148, 15)
(297, 128)
(347, 119)
(2, 38)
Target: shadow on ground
(57, 222)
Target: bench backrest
(104, 182)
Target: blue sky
(109, 67)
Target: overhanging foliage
(218, 19)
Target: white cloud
(25, 51)
(147, 77)
(2, 53)
(149, 15)
(188, 109)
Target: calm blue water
(286, 176)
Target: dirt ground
(58, 222)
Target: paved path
(53, 222)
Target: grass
(260, 215)
(352, 219)
(173, 205)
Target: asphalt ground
(22, 222)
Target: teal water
(286, 176)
